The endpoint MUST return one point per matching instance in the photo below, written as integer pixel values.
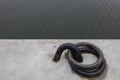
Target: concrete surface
(32, 60)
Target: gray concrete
(32, 60)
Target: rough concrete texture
(32, 60)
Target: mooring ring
(74, 58)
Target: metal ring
(90, 70)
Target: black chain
(74, 58)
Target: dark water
(59, 18)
